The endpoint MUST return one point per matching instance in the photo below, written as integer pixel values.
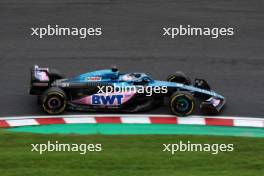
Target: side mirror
(202, 84)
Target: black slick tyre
(179, 77)
(182, 103)
(53, 101)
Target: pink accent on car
(85, 100)
(41, 75)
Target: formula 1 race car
(109, 90)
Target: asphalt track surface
(132, 39)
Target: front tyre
(182, 103)
(54, 101)
(179, 77)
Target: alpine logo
(107, 100)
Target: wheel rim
(182, 104)
(54, 104)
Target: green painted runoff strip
(112, 129)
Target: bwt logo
(107, 100)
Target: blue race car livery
(110, 90)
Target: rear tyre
(182, 103)
(179, 77)
(54, 101)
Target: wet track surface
(132, 39)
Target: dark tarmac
(132, 39)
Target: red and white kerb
(6, 122)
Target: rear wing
(39, 81)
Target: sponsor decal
(107, 100)
(94, 78)
(65, 84)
